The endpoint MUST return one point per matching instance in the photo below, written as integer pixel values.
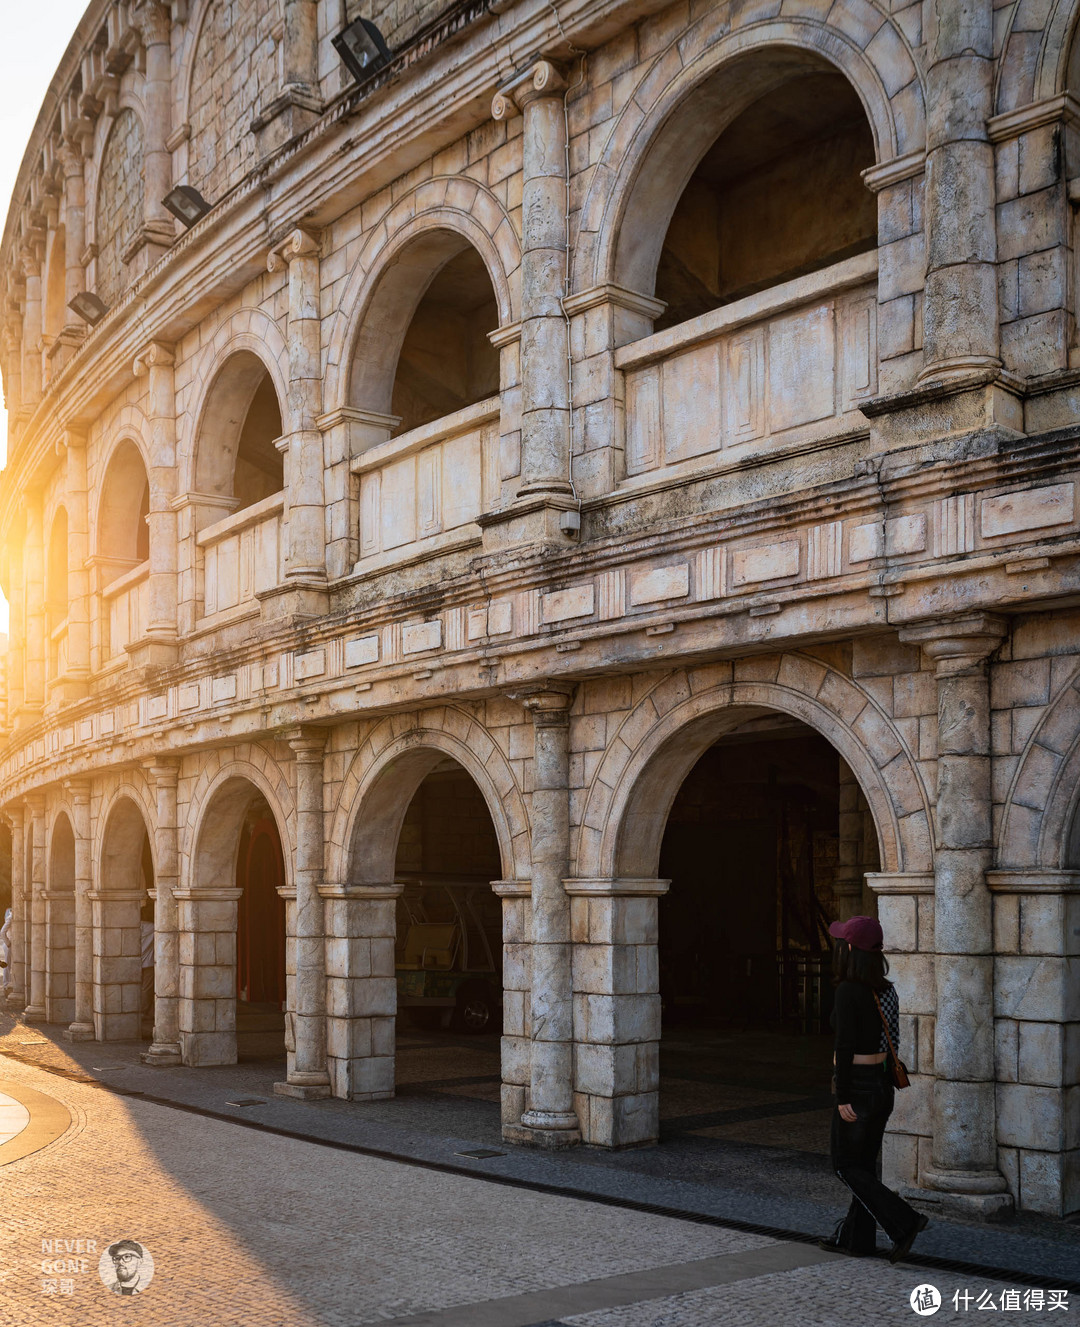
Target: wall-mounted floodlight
(88, 307)
(186, 204)
(362, 48)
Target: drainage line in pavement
(1006, 1274)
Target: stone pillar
(31, 332)
(82, 1026)
(305, 558)
(361, 989)
(516, 1043)
(159, 228)
(960, 311)
(35, 815)
(616, 972)
(158, 646)
(964, 1163)
(307, 1073)
(117, 971)
(74, 331)
(545, 394)
(297, 105)
(165, 1048)
(76, 499)
(17, 994)
(59, 954)
(34, 656)
(206, 1013)
(550, 1120)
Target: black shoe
(831, 1246)
(902, 1247)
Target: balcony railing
(242, 555)
(777, 369)
(127, 609)
(422, 492)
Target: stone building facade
(598, 384)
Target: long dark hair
(866, 965)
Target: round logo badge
(925, 1300)
(126, 1267)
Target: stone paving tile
(251, 1229)
(840, 1293)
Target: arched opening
(121, 559)
(423, 350)
(443, 973)
(60, 924)
(56, 595)
(236, 984)
(236, 459)
(123, 920)
(753, 180)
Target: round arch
(680, 109)
(61, 858)
(422, 232)
(635, 785)
(223, 794)
(125, 820)
(1024, 76)
(123, 501)
(384, 777)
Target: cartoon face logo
(126, 1267)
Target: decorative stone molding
(543, 79)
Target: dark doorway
(260, 936)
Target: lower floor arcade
(603, 905)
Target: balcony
(784, 369)
(242, 556)
(126, 602)
(421, 493)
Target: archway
(232, 920)
(423, 350)
(123, 926)
(436, 939)
(60, 924)
(121, 560)
(236, 461)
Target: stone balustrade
(242, 555)
(126, 603)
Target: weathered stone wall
(119, 203)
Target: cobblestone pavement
(252, 1229)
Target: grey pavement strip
(610, 1292)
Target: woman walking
(866, 1015)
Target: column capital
(157, 355)
(154, 22)
(297, 244)
(78, 789)
(957, 645)
(35, 805)
(542, 79)
(307, 744)
(548, 702)
(163, 771)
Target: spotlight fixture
(88, 307)
(362, 48)
(186, 204)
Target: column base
(304, 1086)
(79, 1032)
(17, 998)
(33, 1014)
(981, 1194)
(548, 1129)
(162, 1054)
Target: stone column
(297, 105)
(159, 644)
(960, 311)
(82, 1026)
(117, 976)
(516, 896)
(35, 814)
(165, 1048)
(545, 395)
(17, 994)
(616, 972)
(964, 1164)
(305, 558)
(307, 1074)
(159, 228)
(206, 919)
(59, 954)
(31, 332)
(34, 656)
(76, 499)
(74, 331)
(361, 989)
(550, 1120)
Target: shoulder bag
(897, 1068)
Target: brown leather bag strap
(885, 1025)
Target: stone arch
(115, 203)
(660, 740)
(699, 80)
(1034, 63)
(386, 772)
(420, 232)
(1039, 828)
(60, 867)
(123, 500)
(124, 818)
(246, 350)
(60, 919)
(251, 766)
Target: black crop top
(859, 1029)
